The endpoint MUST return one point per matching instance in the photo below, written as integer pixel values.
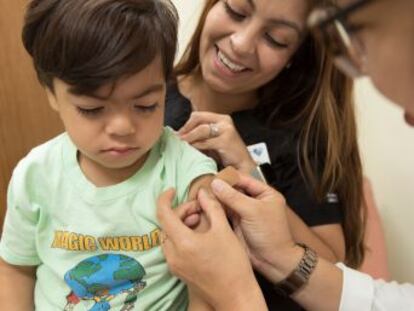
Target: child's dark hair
(90, 43)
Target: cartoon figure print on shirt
(109, 278)
(102, 278)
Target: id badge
(259, 153)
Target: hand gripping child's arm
(230, 175)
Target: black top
(282, 148)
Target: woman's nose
(243, 41)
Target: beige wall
(189, 11)
(387, 147)
(26, 119)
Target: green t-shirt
(96, 248)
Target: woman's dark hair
(314, 96)
(90, 43)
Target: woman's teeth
(229, 64)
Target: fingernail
(218, 185)
(203, 192)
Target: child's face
(114, 134)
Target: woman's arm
(327, 240)
(17, 287)
(196, 302)
(265, 228)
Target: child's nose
(120, 125)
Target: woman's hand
(261, 221)
(216, 135)
(212, 262)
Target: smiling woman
(252, 73)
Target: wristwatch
(300, 276)
(264, 173)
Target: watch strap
(300, 276)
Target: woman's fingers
(208, 144)
(256, 188)
(212, 209)
(195, 120)
(171, 221)
(233, 199)
(201, 117)
(199, 133)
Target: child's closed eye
(143, 108)
(89, 111)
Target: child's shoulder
(179, 153)
(172, 145)
(44, 155)
(35, 171)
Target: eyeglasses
(329, 25)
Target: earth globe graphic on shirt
(103, 277)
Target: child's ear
(51, 97)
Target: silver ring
(214, 130)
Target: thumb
(233, 199)
(170, 221)
(212, 209)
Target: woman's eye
(232, 13)
(89, 111)
(146, 108)
(353, 29)
(275, 43)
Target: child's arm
(229, 175)
(201, 182)
(17, 287)
(194, 219)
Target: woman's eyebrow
(280, 21)
(286, 23)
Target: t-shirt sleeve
(191, 165)
(302, 199)
(18, 242)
